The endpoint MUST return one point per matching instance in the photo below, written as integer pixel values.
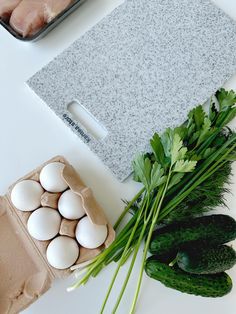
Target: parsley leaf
(198, 115)
(185, 165)
(158, 149)
(157, 176)
(176, 178)
(178, 151)
(142, 169)
(225, 98)
(167, 139)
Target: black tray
(47, 28)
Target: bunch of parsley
(183, 176)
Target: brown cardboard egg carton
(24, 271)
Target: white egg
(70, 205)
(26, 195)
(90, 235)
(62, 252)
(44, 223)
(51, 177)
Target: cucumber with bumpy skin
(207, 260)
(207, 230)
(213, 286)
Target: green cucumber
(207, 260)
(165, 258)
(206, 231)
(213, 286)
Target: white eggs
(62, 252)
(70, 205)
(48, 201)
(90, 235)
(44, 223)
(51, 177)
(26, 195)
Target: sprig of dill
(205, 197)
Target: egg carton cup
(24, 270)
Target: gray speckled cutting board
(140, 70)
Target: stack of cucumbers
(192, 256)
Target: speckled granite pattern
(140, 70)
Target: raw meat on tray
(6, 8)
(27, 17)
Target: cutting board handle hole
(85, 118)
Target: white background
(30, 134)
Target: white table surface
(30, 134)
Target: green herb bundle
(183, 176)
